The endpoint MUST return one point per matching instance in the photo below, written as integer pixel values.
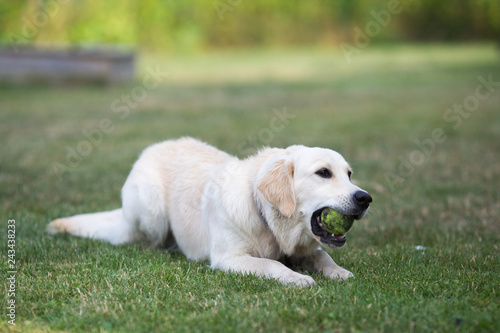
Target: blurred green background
(186, 26)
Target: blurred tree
(197, 24)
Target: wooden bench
(69, 65)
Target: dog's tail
(109, 226)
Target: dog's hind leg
(145, 211)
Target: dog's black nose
(362, 198)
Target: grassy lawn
(425, 259)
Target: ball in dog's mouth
(331, 226)
(335, 222)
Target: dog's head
(296, 184)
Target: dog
(256, 216)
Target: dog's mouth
(324, 237)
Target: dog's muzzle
(361, 201)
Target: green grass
(371, 111)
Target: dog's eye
(324, 173)
(349, 174)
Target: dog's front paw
(298, 280)
(339, 273)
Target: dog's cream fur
(250, 216)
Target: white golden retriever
(257, 215)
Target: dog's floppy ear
(276, 185)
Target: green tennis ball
(335, 222)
